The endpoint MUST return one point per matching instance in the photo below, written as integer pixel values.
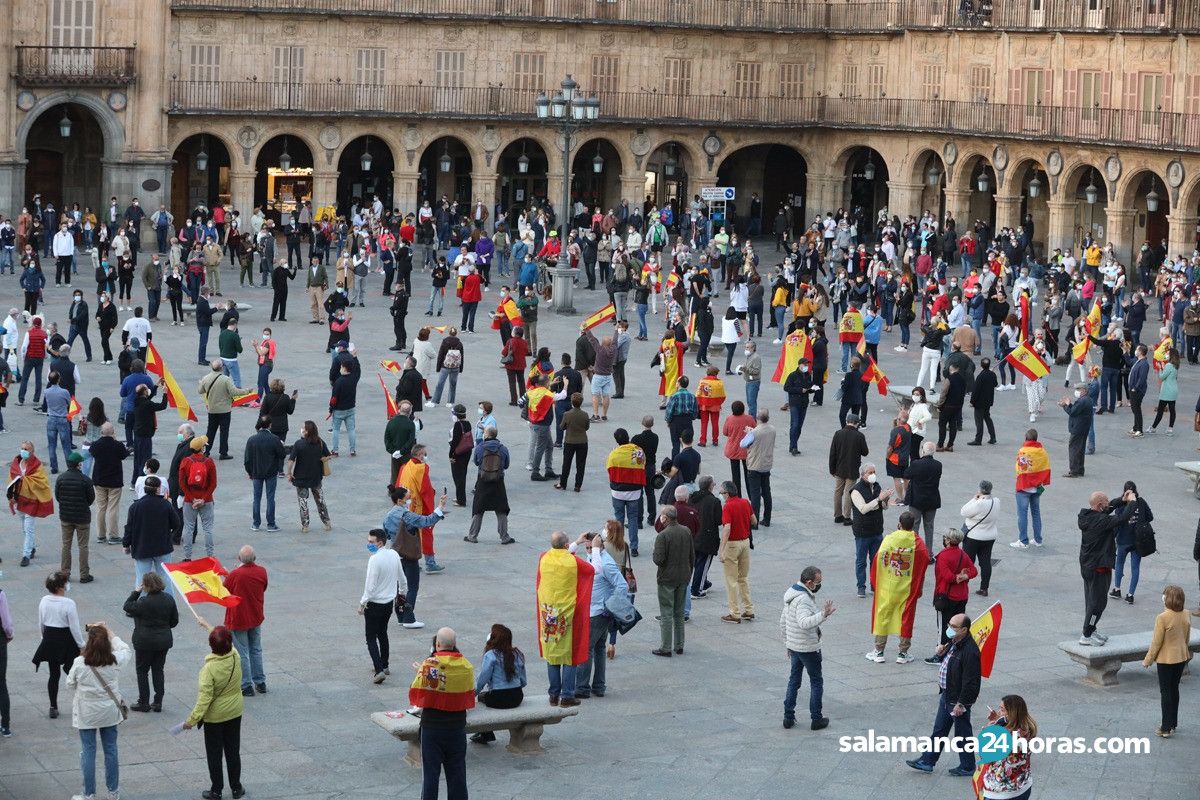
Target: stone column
(1061, 232)
(904, 198)
(483, 187)
(1008, 211)
(555, 193)
(633, 189)
(241, 192)
(1117, 230)
(324, 192)
(825, 193)
(1181, 237)
(404, 190)
(958, 203)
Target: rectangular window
(605, 71)
(529, 71)
(677, 77)
(288, 77)
(850, 80)
(747, 78)
(368, 66)
(72, 23)
(875, 80)
(931, 81)
(1193, 95)
(449, 67)
(1033, 84)
(979, 90)
(1150, 96)
(791, 81)
(204, 62)
(1090, 89)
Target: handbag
(121, 704)
(627, 573)
(464, 445)
(326, 470)
(941, 600)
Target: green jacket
(220, 697)
(230, 344)
(400, 434)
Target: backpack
(1143, 539)
(197, 473)
(453, 359)
(491, 467)
(360, 269)
(620, 272)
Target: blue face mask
(372, 548)
(950, 632)
(24, 453)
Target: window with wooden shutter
(677, 76)
(850, 80)
(1090, 91)
(73, 23)
(1192, 96)
(288, 77)
(529, 71)
(979, 86)
(747, 79)
(605, 72)
(931, 81)
(448, 68)
(1150, 96)
(791, 81)
(369, 66)
(875, 82)
(204, 62)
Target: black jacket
(925, 476)
(106, 317)
(78, 315)
(107, 454)
(853, 393)
(204, 312)
(264, 455)
(962, 673)
(278, 407)
(799, 385)
(708, 511)
(846, 451)
(956, 391)
(648, 441)
(1079, 416)
(153, 617)
(144, 409)
(149, 526)
(1098, 537)
(182, 451)
(345, 393)
(409, 388)
(75, 494)
(983, 394)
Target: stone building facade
(1083, 113)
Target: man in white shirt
(64, 254)
(137, 327)
(385, 580)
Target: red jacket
(471, 292)
(205, 492)
(947, 564)
(519, 348)
(249, 582)
(37, 342)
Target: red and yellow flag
(564, 600)
(1091, 323)
(603, 315)
(175, 396)
(873, 374)
(710, 393)
(1033, 466)
(392, 366)
(796, 345)
(1162, 352)
(245, 398)
(510, 310)
(898, 576)
(691, 328)
(986, 630)
(671, 353)
(445, 681)
(199, 581)
(440, 328)
(540, 402)
(536, 369)
(389, 401)
(850, 329)
(73, 409)
(627, 464)
(1026, 318)
(1025, 360)
(1079, 350)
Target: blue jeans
(438, 294)
(798, 412)
(31, 366)
(847, 352)
(249, 647)
(202, 357)
(641, 312)
(865, 548)
(996, 341)
(905, 333)
(1030, 503)
(562, 680)
(977, 326)
(629, 514)
(58, 431)
(501, 263)
(801, 662)
(962, 730)
(258, 484)
(589, 676)
(752, 388)
(443, 375)
(779, 312)
(264, 377)
(87, 759)
(230, 367)
(143, 565)
(1109, 378)
(1134, 568)
(27, 529)
(346, 418)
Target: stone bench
(523, 723)
(1192, 470)
(1104, 662)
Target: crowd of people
(667, 270)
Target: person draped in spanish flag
(414, 476)
(539, 405)
(850, 332)
(897, 578)
(444, 689)
(542, 365)
(506, 316)
(669, 361)
(1162, 350)
(564, 600)
(796, 345)
(29, 495)
(627, 475)
(710, 396)
(1033, 476)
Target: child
(139, 486)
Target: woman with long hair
(62, 636)
(219, 707)
(306, 471)
(1011, 777)
(90, 426)
(1168, 392)
(96, 707)
(501, 677)
(618, 548)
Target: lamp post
(568, 111)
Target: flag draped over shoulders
(1033, 466)
(627, 464)
(564, 599)
(445, 681)
(671, 353)
(796, 345)
(898, 576)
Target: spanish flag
(1079, 350)
(510, 310)
(73, 409)
(539, 368)
(31, 493)
(627, 464)
(1033, 466)
(389, 401)
(671, 354)
(540, 402)
(1026, 317)
(391, 366)
(414, 476)
(175, 396)
(796, 345)
(1025, 360)
(691, 328)
(199, 581)
(898, 576)
(603, 315)
(873, 374)
(564, 600)
(445, 681)
(710, 393)
(850, 329)
(245, 398)
(1091, 322)
(440, 328)
(986, 630)
(1162, 352)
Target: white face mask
(804, 369)
(481, 411)
(1078, 394)
(916, 398)
(747, 352)
(266, 336)
(872, 478)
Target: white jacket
(426, 355)
(800, 620)
(92, 707)
(918, 415)
(975, 512)
(729, 334)
(12, 332)
(64, 244)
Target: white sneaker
(1036, 543)
(1033, 417)
(904, 658)
(1098, 635)
(529, 467)
(83, 797)
(899, 348)
(449, 405)
(876, 656)
(776, 341)
(413, 625)
(1019, 545)
(430, 404)
(1170, 431)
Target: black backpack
(491, 466)
(1143, 539)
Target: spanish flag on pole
(245, 398)
(445, 681)
(986, 630)
(873, 374)
(898, 576)
(389, 401)
(199, 581)
(796, 345)
(1025, 360)
(603, 315)
(564, 599)
(391, 366)
(73, 409)
(175, 396)
(1091, 322)
(540, 402)
(1033, 466)
(627, 464)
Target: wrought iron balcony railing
(74, 66)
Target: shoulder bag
(967, 531)
(121, 705)
(627, 572)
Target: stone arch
(916, 167)
(1074, 176)
(839, 165)
(755, 140)
(966, 168)
(1189, 195)
(106, 118)
(695, 155)
(1132, 182)
(544, 138)
(190, 128)
(299, 133)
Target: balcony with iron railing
(74, 66)
(1159, 129)
(849, 16)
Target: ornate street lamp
(1090, 192)
(1035, 187)
(934, 175)
(982, 183)
(365, 161)
(64, 125)
(445, 163)
(523, 161)
(285, 160)
(202, 157)
(869, 169)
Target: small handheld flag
(391, 366)
(199, 581)
(175, 396)
(245, 398)
(73, 409)
(603, 315)
(389, 401)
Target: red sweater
(37, 343)
(205, 492)
(947, 564)
(471, 292)
(249, 582)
